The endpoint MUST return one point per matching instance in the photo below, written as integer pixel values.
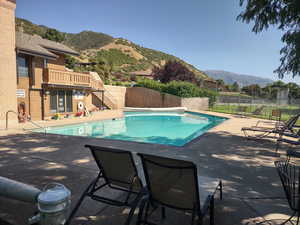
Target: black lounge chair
(277, 128)
(294, 139)
(117, 171)
(176, 184)
(289, 175)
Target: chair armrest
(289, 141)
(267, 122)
(290, 135)
(292, 153)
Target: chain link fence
(274, 109)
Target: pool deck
(252, 189)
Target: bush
(147, 83)
(179, 88)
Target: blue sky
(205, 33)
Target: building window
(69, 105)
(53, 101)
(61, 101)
(22, 66)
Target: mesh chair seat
(290, 179)
(175, 184)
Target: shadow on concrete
(252, 189)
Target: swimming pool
(169, 128)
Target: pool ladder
(35, 124)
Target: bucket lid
(53, 194)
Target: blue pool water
(167, 128)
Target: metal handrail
(11, 111)
(6, 117)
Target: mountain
(241, 79)
(126, 56)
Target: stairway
(108, 100)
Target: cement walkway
(252, 189)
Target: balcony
(60, 77)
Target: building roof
(35, 45)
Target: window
(22, 66)
(53, 101)
(61, 101)
(69, 105)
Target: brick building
(44, 85)
(34, 81)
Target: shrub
(147, 83)
(179, 88)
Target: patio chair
(117, 171)
(292, 154)
(278, 128)
(289, 175)
(294, 139)
(275, 114)
(175, 184)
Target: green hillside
(87, 40)
(126, 56)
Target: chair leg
(277, 146)
(163, 212)
(133, 208)
(211, 211)
(200, 219)
(221, 190)
(79, 203)
(298, 215)
(193, 217)
(141, 211)
(289, 219)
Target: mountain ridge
(241, 79)
(128, 56)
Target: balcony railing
(61, 77)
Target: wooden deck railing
(61, 77)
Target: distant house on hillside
(146, 74)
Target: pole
(18, 191)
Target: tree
(286, 15)
(70, 62)
(235, 87)
(220, 85)
(294, 90)
(173, 70)
(220, 82)
(252, 90)
(104, 68)
(54, 35)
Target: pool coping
(191, 142)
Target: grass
(286, 111)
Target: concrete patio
(252, 189)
